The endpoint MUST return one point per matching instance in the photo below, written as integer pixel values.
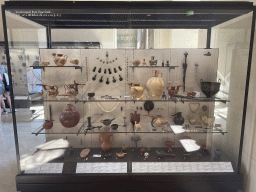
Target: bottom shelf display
(133, 160)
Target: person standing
(3, 70)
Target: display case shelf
(144, 67)
(195, 99)
(43, 67)
(165, 130)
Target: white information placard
(181, 167)
(109, 167)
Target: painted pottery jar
(48, 124)
(69, 117)
(60, 59)
(208, 120)
(155, 85)
(74, 61)
(106, 139)
(52, 91)
(178, 119)
(72, 89)
(172, 90)
(134, 117)
(158, 121)
(136, 89)
(143, 149)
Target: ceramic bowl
(210, 88)
(114, 126)
(91, 95)
(43, 63)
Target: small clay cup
(91, 95)
(114, 126)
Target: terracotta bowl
(43, 63)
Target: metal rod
(246, 93)
(11, 91)
(49, 36)
(40, 130)
(208, 41)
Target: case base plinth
(163, 182)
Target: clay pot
(208, 120)
(158, 121)
(124, 148)
(69, 117)
(52, 91)
(74, 61)
(60, 59)
(144, 63)
(121, 154)
(138, 126)
(72, 89)
(178, 119)
(136, 89)
(169, 144)
(172, 90)
(48, 124)
(192, 121)
(155, 85)
(106, 141)
(135, 62)
(107, 122)
(134, 117)
(143, 149)
(44, 63)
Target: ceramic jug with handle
(106, 139)
(60, 59)
(72, 89)
(155, 85)
(136, 90)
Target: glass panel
(232, 38)
(126, 88)
(25, 39)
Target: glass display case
(156, 116)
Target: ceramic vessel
(172, 90)
(136, 89)
(124, 148)
(143, 149)
(43, 63)
(114, 126)
(146, 155)
(72, 90)
(138, 126)
(60, 59)
(107, 122)
(192, 121)
(169, 144)
(69, 117)
(208, 120)
(144, 63)
(74, 61)
(48, 124)
(210, 88)
(178, 119)
(135, 62)
(158, 121)
(52, 91)
(155, 85)
(134, 117)
(106, 139)
(121, 154)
